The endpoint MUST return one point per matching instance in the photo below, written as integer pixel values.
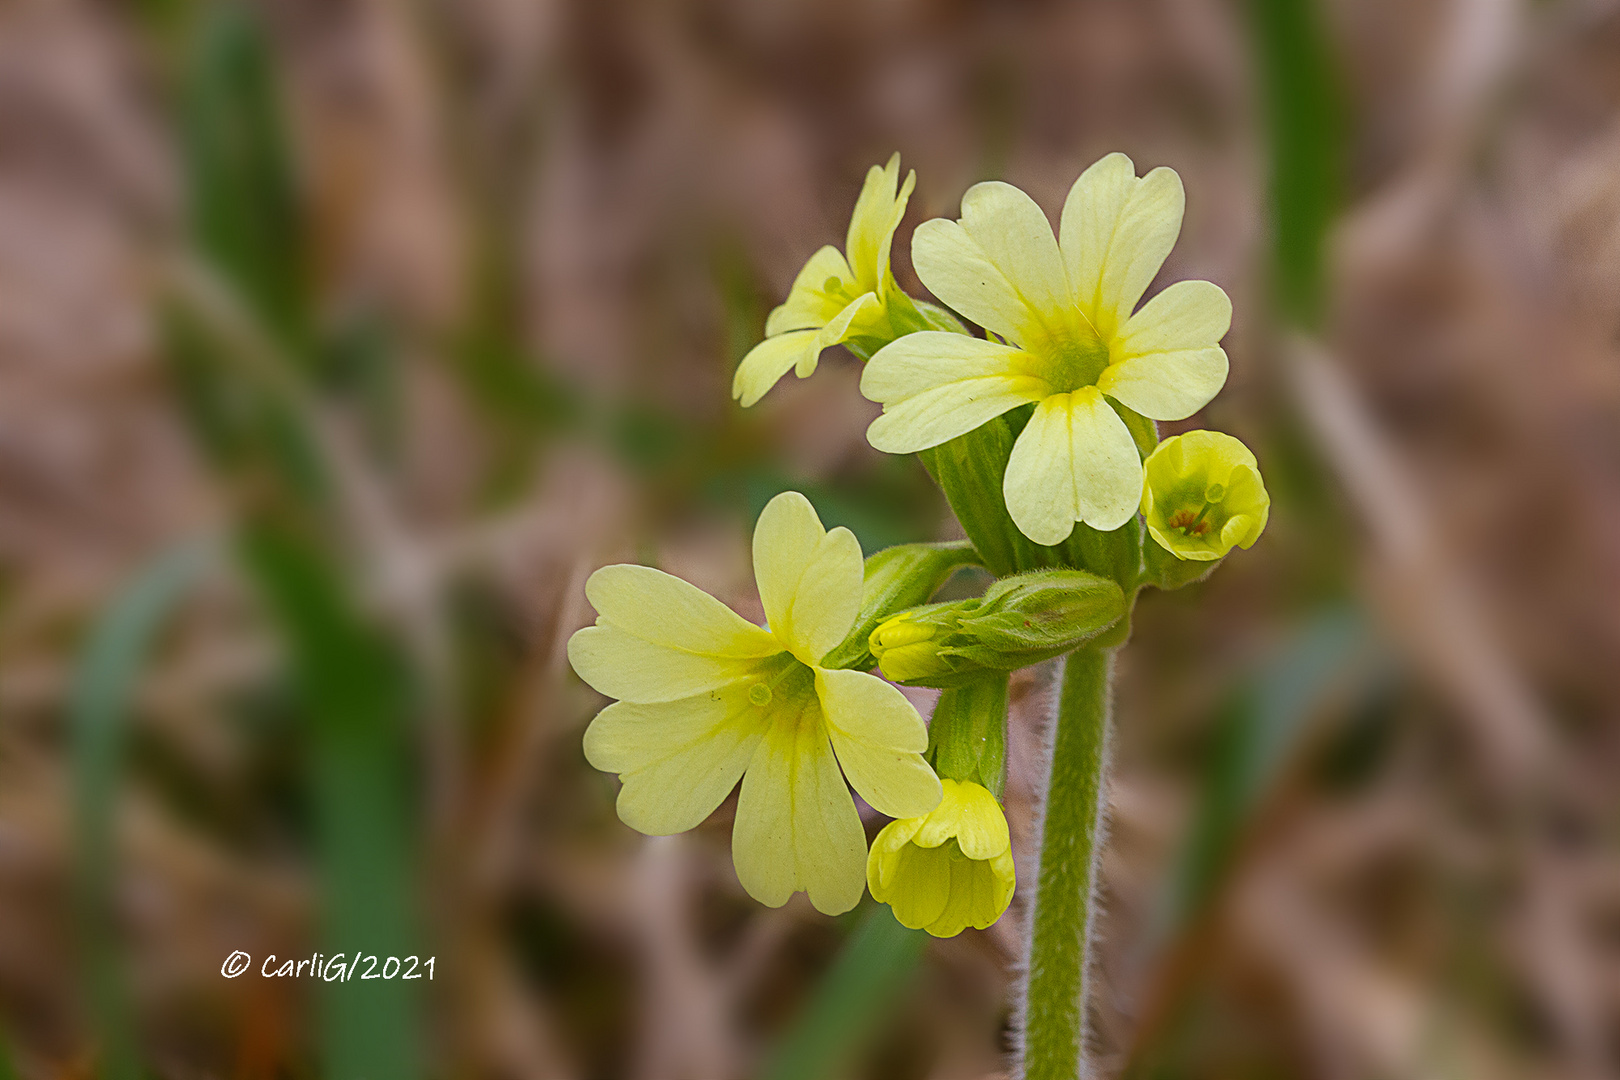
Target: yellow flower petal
(1016, 238)
(1146, 231)
(1186, 315)
(799, 350)
(1168, 364)
(974, 898)
(844, 325)
(768, 361)
(796, 826)
(1086, 228)
(959, 272)
(969, 814)
(809, 306)
(1167, 385)
(919, 887)
(881, 863)
(935, 386)
(1075, 461)
(678, 760)
(930, 359)
(878, 211)
(665, 610)
(657, 638)
(1116, 232)
(809, 579)
(618, 664)
(879, 740)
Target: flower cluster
(1080, 368)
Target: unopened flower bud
(1020, 620)
(1202, 496)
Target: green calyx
(967, 738)
(1021, 620)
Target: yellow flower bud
(949, 869)
(1202, 496)
(906, 649)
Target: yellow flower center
(1189, 523)
(837, 291)
(782, 680)
(1071, 360)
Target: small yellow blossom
(708, 698)
(949, 869)
(1203, 496)
(834, 298)
(1066, 335)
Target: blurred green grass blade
(857, 993)
(1304, 118)
(104, 680)
(242, 200)
(354, 689)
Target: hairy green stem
(1053, 1006)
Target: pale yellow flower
(708, 698)
(1203, 496)
(1064, 310)
(835, 298)
(949, 869)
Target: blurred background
(341, 340)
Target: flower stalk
(1055, 987)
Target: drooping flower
(837, 296)
(708, 698)
(1068, 338)
(1202, 496)
(949, 869)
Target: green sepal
(1144, 432)
(967, 738)
(897, 578)
(937, 318)
(1021, 620)
(970, 470)
(1163, 570)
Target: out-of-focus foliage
(419, 312)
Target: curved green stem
(1053, 1005)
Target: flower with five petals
(1067, 336)
(836, 298)
(707, 698)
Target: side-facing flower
(1202, 496)
(708, 698)
(1067, 336)
(835, 298)
(949, 869)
